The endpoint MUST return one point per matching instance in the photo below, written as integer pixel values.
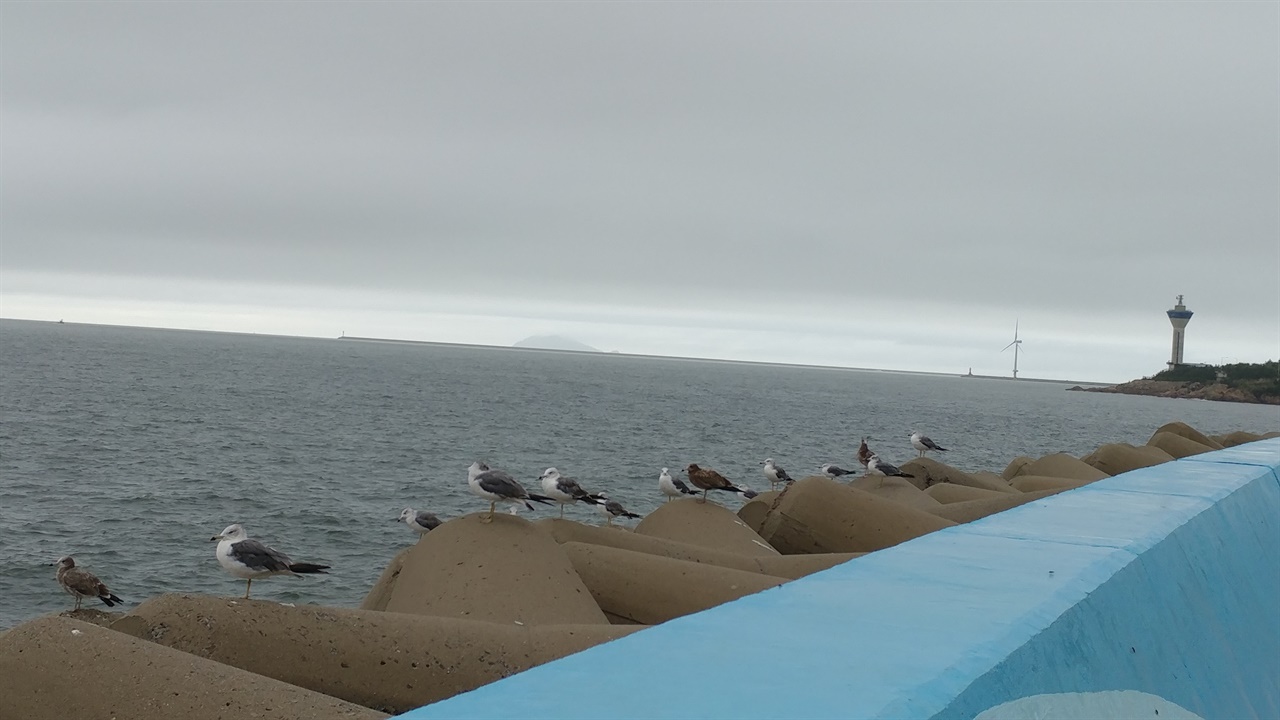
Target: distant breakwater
(1187, 390)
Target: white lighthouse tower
(1179, 316)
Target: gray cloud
(951, 160)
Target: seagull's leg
(562, 510)
(247, 584)
(489, 518)
(704, 496)
(77, 602)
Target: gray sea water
(129, 448)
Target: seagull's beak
(215, 538)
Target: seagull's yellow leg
(489, 518)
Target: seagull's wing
(427, 520)
(501, 484)
(259, 557)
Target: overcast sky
(864, 184)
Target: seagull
(864, 454)
(497, 486)
(832, 470)
(565, 490)
(673, 487)
(611, 509)
(876, 466)
(81, 583)
(706, 480)
(247, 558)
(775, 473)
(420, 521)
(924, 444)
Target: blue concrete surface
(1164, 581)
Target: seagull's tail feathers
(939, 447)
(593, 499)
(902, 474)
(308, 568)
(541, 499)
(732, 488)
(629, 514)
(110, 600)
(748, 494)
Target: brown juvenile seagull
(864, 456)
(706, 480)
(82, 584)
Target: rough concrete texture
(899, 490)
(388, 661)
(652, 589)
(1177, 445)
(1016, 464)
(786, 566)
(1116, 458)
(947, 493)
(1190, 433)
(1035, 483)
(690, 521)
(968, 511)
(1060, 465)
(55, 668)
(503, 571)
(929, 472)
(380, 594)
(1238, 437)
(818, 515)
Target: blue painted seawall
(1164, 580)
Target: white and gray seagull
(247, 558)
(775, 473)
(924, 444)
(876, 466)
(673, 487)
(611, 509)
(832, 470)
(420, 521)
(497, 486)
(566, 490)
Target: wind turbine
(1017, 346)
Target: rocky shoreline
(476, 601)
(1189, 390)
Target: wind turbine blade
(1006, 347)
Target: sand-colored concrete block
(970, 510)
(1036, 483)
(1060, 465)
(55, 668)
(652, 589)
(1015, 465)
(380, 595)
(504, 571)
(1116, 458)
(389, 661)
(1238, 437)
(929, 472)
(899, 490)
(1177, 445)
(947, 493)
(786, 566)
(1190, 433)
(690, 521)
(818, 515)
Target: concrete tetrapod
(929, 472)
(652, 589)
(1177, 445)
(504, 571)
(388, 661)
(899, 490)
(784, 566)
(970, 510)
(1060, 465)
(1190, 433)
(947, 493)
(1239, 437)
(818, 515)
(1036, 483)
(1116, 458)
(704, 524)
(54, 668)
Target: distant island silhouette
(554, 342)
